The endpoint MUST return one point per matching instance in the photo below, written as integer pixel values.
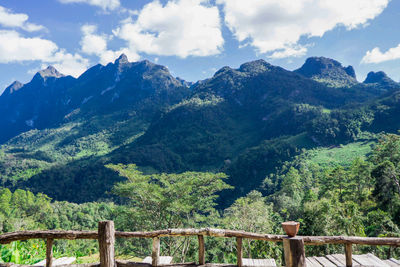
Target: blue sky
(194, 38)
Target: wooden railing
(293, 246)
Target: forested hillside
(245, 149)
(245, 122)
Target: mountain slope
(244, 122)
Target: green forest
(361, 199)
(246, 149)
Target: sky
(195, 38)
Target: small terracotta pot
(291, 228)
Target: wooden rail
(106, 236)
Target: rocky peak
(328, 71)
(15, 86)
(50, 71)
(123, 59)
(381, 78)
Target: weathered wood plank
(377, 260)
(363, 261)
(391, 263)
(325, 262)
(340, 258)
(259, 262)
(311, 262)
(395, 261)
(335, 261)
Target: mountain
(244, 121)
(51, 98)
(37, 104)
(328, 71)
(15, 86)
(380, 79)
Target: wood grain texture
(202, 256)
(349, 255)
(294, 252)
(155, 252)
(49, 252)
(106, 243)
(239, 251)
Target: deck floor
(334, 260)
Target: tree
(160, 201)
(252, 213)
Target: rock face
(380, 78)
(15, 86)
(50, 96)
(328, 71)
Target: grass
(342, 155)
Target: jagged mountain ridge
(51, 98)
(136, 112)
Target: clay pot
(291, 228)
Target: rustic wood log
(53, 234)
(202, 256)
(155, 252)
(49, 252)
(294, 252)
(349, 255)
(106, 244)
(202, 231)
(371, 241)
(308, 240)
(239, 251)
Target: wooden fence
(106, 234)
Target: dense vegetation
(361, 199)
(246, 149)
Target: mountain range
(58, 132)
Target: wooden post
(49, 252)
(349, 255)
(155, 253)
(239, 251)
(106, 243)
(202, 258)
(294, 252)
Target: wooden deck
(334, 260)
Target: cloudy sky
(194, 38)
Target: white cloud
(104, 4)
(295, 51)
(180, 28)
(376, 56)
(91, 43)
(66, 63)
(16, 48)
(271, 25)
(96, 44)
(17, 20)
